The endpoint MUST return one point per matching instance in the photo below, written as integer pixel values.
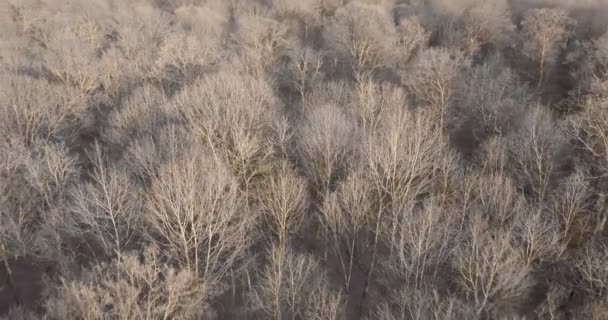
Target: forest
(303, 159)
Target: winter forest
(303, 159)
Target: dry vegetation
(303, 159)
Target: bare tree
(490, 270)
(346, 216)
(260, 41)
(497, 197)
(493, 98)
(132, 289)
(283, 201)
(208, 18)
(305, 68)
(592, 266)
(546, 32)
(404, 159)
(195, 213)
(588, 130)
(335, 92)
(34, 188)
(419, 240)
(571, 205)
(184, 57)
(142, 114)
(304, 159)
(323, 303)
(72, 57)
(402, 155)
(538, 152)
(601, 53)
(411, 39)
(138, 34)
(420, 304)
(35, 110)
(434, 78)
(233, 115)
(143, 157)
(371, 100)
(325, 144)
(287, 283)
(106, 207)
(472, 24)
(361, 37)
(537, 233)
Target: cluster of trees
(303, 159)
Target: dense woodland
(303, 159)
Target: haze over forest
(304, 159)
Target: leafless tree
(545, 32)
(411, 39)
(404, 159)
(335, 92)
(372, 100)
(36, 110)
(490, 269)
(283, 201)
(305, 68)
(195, 213)
(347, 215)
(304, 159)
(571, 205)
(72, 56)
(182, 58)
(434, 78)
(132, 289)
(233, 115)
(471, 24)
(32, 180)
(142, 114)
(401, 156)
(537, 150)
(588, 130)
(286, 286)
(325, 141)
(361, 37)
(323, 303)
(106, 207)
(592, 266)
(537, 233)
(493, 98)
(601, 53)
(419, 240)
(260, 41)
(208, 18)
(421, 304)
